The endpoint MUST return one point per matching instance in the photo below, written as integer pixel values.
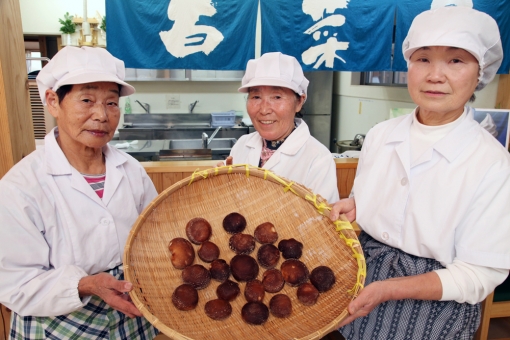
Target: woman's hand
(227, 162)
(111, 290)
(418, 287)
(369, 297)
(345, 206)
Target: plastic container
(223, 119)
(127, 106)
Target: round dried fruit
(220, 270)
(244, 268)
(234, 223)
(266, 233)
(255, 313)
(185, 297)
(182, 253)
(273, 280)
(307, 294)
(268, 256)
(280, 306)
(291, 248)
(208, 251)
(294, 272)
(218, 309)
(254, 291)
(198, 230)
(242, 243)
(197, 276)
(228, 290)
(322, 278)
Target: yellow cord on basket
(286, 186)
(204, 174)
(320, 207)
(360, 259)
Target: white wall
(358, 108)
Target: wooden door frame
(16, 128)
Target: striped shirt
(96, 183)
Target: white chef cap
(461, 27)
(75, 65)
(275, 69)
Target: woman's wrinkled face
(441, 81)
(272, 110)
(88, 115)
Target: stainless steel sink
(218, 143)
(191, 149)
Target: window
(33, 64)
(383, 78)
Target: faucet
(192, 106)
(146, 107)
(206, 140)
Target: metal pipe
(38, 58)
(213, 135)
(146, 107)
(192, 106)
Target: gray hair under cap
(461, 27)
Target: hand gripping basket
(260, 196)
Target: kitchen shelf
(182, 75)
(156, 79)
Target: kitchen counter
(160, 133)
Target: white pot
(66, 39)
(75, 39)
(101, 38)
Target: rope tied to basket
(197, 172)
(287, 186)
(322, 207)
(360, 258)
(340, 226)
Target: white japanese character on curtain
(445, 3)
(326, 52)
(186, 38)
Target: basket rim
(342, 226)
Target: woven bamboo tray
(260, 196)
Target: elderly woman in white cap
(66, 211)
(276, 88)
(431, 191)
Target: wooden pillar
(503, 97)
(16, 128)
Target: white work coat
(451, 204)
(55, 229)
(301, 158)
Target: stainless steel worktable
(143, 150)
